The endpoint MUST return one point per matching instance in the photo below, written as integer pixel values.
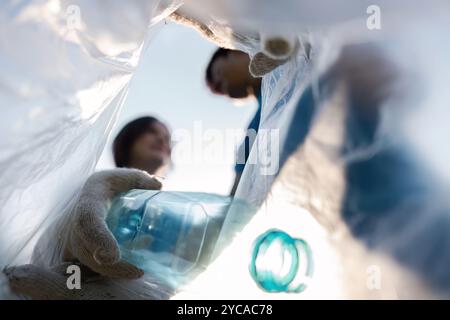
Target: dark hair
(127, 136)
(221, 52)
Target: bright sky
(169, 84)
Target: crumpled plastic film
(366, 160)
(65, 66)
(63, 81)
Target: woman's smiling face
(152, 148)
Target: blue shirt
(247, 144)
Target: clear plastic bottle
(166, 233)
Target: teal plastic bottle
(169, 234)
(172, 235)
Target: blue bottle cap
(280, 263)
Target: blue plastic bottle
(171, 235)
(168, 234)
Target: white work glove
(89, 241)
(275, 50)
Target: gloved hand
(89, 239)
(276, 50)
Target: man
(228, 74)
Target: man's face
(230, 75)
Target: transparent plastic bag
(376, 192)
(62, 84)
(66, 66)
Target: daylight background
(170, 84)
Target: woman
(143, 144)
